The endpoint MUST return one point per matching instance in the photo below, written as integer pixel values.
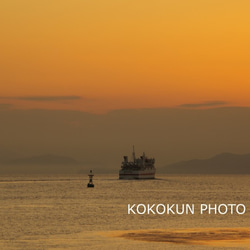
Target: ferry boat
(138, 168)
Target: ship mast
(134, 153)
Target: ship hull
(137, 174)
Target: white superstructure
(138, 168)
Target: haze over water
(83, 81)
(60, 212)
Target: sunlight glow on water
(61, 212)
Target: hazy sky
(169, 135)
(95, 55)
(90, 78)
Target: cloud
(203, 104)
(5, 106)
(44, 98)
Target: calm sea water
(60, 212)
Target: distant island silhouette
(44, 159)
(225, 163)
(41, 164)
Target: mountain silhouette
(44, 159)
(225, 163)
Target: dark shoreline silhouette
(225, 163)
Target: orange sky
(124, 54)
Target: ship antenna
(134, 153)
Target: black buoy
(90, 184)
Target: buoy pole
(90, 184)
